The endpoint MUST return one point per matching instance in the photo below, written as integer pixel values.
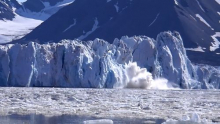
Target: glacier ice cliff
(99, 64)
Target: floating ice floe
(193, 119)
(101, 121)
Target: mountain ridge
(17, 20)
(197, 21)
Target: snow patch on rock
(95, 26)
(216, 43)
(74, 23)
(204, 21)
(176, 2)
(198, 49)
(116, 7)
(200, 6)
(154, 20)
(218, 1)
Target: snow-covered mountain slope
(36, 9)
(41, 9)
(16, 28)
(99, 64)
(17, 20)
(196, 20)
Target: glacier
(99, 64)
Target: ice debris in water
(101, 121)
(140, 78)
(194, 119)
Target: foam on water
(162, 84)
(140, 78)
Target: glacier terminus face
(130, 62)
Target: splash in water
(140, 78)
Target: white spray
(140, 78)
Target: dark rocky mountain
(19, 19)
(6, 11)
(8, 8)
(38, 5)
(196, 20)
